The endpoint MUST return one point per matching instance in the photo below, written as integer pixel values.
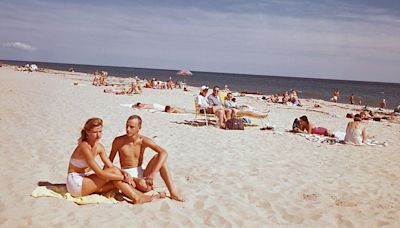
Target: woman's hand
(127, 178)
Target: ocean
(371, 93)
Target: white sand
(248, 178)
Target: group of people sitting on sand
(31, 68)
(288, 98)
(132, 178)
(169, 84)
(223, 108)
(133, 88)
(100, 78)
(355, 130)
(367, 114)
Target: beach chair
(201, 112)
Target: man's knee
(141, 183)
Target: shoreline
(127, 79)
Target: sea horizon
(370, 92)
(193, 71)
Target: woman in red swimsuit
(307, 127)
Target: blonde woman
(355, 132)
(79, 183)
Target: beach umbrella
(184, 73)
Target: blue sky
(353, 39)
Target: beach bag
(246, 120)
(234, 124)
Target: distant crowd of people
(352, 100)
(288, 97)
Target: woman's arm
(364, 135)
(309, 128)
(107, 162)
(90, 160)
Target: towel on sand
(339, 137)
(61, 192)
(126, 105)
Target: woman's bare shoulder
(83, 146)
(100, 148)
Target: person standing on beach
(336, 95)
(130, 148)
(383, 103)
(352, 98)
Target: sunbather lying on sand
(304, 126)
(241, 110)
(159, 107)
(132, 89)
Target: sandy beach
(249, 178)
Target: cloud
(275, 37)
(20, 46)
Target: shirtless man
(130, 148)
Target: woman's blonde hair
(89, 125)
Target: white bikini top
(78, 163)
(354, 135)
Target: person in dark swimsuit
(307, 127)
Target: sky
(341, 39)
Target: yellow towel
(61, 192)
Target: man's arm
(210, 100)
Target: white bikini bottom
(74, 183)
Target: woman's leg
(252, 114)
(94, 183)
(228, 113)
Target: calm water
(371, 93)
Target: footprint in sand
(311, 196)
(344, 203)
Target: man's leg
(228, 113)
(165, 175)
(221, 117)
